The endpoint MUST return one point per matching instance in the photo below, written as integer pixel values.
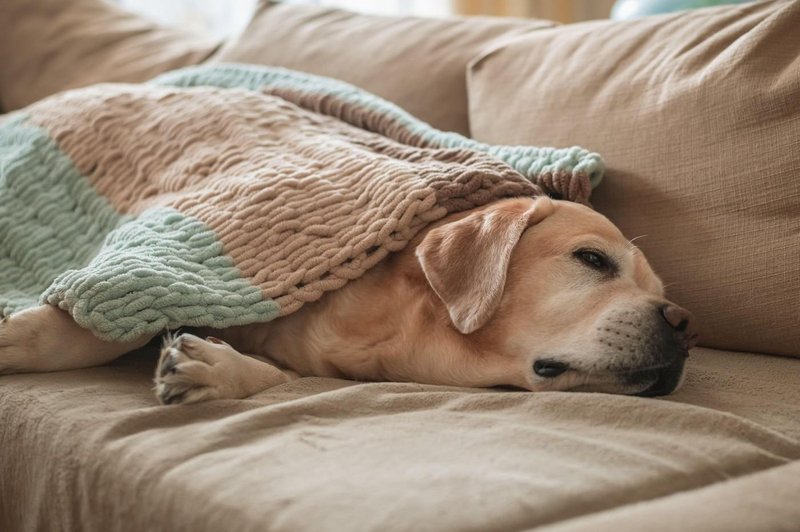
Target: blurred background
(226, 18)
(561, 10)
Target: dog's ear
(466, 261)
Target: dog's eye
(594, 259)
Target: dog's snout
(681, 321)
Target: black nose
(549, 368)
(682, 322)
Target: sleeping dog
(536, 294)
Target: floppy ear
(466, 261)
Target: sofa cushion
(417, 63)
(92, 450)
(697, 117)
(53, 45)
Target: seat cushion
(696, 116)
(92, 450)
(419, 64)
(53, 45)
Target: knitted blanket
(231, 194)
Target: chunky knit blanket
(231, 194)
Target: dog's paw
(191, 370)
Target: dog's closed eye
(596, 260)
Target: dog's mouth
(657, 381)
(645, 381)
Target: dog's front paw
(190, 371)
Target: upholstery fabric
(92, 450)
(53, 45)
(697, 117)
(417, 63)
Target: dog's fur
(507, 294)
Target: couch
(696, 114)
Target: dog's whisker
(588, 377)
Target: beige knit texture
(303, 202)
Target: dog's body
(536, 294)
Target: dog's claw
(168, 366)
(172, 399)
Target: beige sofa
(698, 117)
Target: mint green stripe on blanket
(157, 271)
(528, 161)
(162, 270)
(51, 219)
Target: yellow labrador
(537, 294)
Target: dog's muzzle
(677, 335)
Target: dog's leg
(46, 338)
(192, 370)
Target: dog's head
(555, 298)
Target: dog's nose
(682, 321)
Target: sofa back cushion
(53, 45)
(419, 64)
(697, 116)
